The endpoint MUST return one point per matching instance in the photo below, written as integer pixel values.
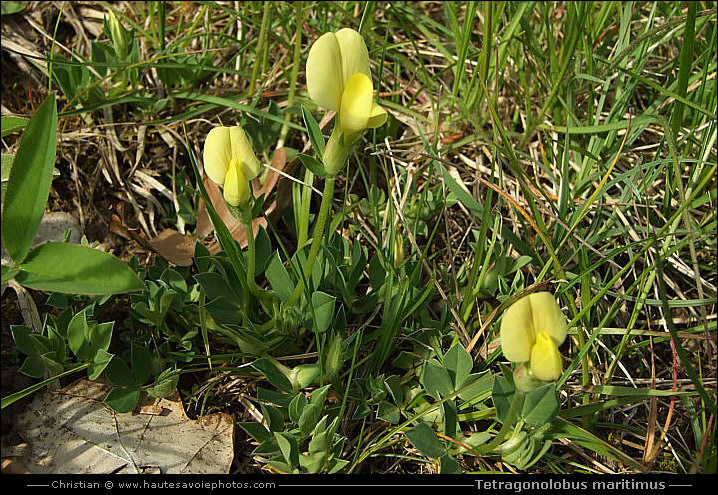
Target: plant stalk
(327, 197)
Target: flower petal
(242, 150)
(325, 81)
(378, 116)
(547, 316)
(356, 106)
(517, 336)
(217, 154)
(354, 54)
(546, 364)
(236, 186)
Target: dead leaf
(13, 467)
(204, 223)
(151, 409)
(30, 315)
(174, 247)
(279, 162)
(118, 226)
(70, 431)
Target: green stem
(327, 197)
(250, 254)
(260, 48)
(506, 427)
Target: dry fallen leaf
(71, 431)
(174, 247)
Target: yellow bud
(546, 364)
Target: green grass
(568, 146)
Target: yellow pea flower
(338, 79)
(230, 162)
(531, 331)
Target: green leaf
(141, 361)
(296, 407)
(436, 380)
(29, 184)
(123, 400)
(87, 339)
(448, 465)
(273, 374)
(502, 394)
(393, 386)
(255, 430)
(273, 416)
(100, 336)
(309, 417)
(165, 385)
(100, 361)
(313, 164)
(319, 443)
(7, 8)
(540, 405)
(459, 363)
(118, 372)
(319, 396)
(8, 272)
(92, 272)
(6, 161)
(262, 250)
(315, 133)
(77, 336)
(425, 440)
(323, 305)
(201, 257)
(451, 421)
(24, 340)
(388, 412)
(476, 387)
(33, 366)
(216, 286)
(289, 447)
(278, 276)
(10, 123)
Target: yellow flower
(531, 331)
(230, 162)
(338, 79)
